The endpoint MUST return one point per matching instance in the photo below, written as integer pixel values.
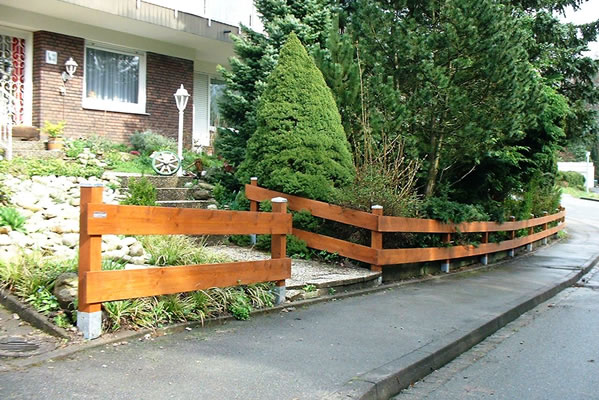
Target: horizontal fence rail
(377, 256)
(97, 286)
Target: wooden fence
(377, 256)
(97, 219)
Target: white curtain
(112, 76)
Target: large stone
(136, 250)
(128, 241)
(205, 186)
(70, 239)
(5, 240)
(201, 194)
(115, 254)
(65, 289)
(9, 254)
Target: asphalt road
(551, 352)
(309, 352)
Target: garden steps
(170, 190)
(34, 149)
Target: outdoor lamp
(70, 67)
(181, 97)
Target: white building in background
(585, 168)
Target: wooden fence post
(89, 316)
(376, 238)
(531, 231)
(545, 213)
(278, 247)
(253, 207)
(484, 259)
(445, 265)
(512, 252)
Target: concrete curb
(30, 315)
(389, 379)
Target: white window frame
(117, 106)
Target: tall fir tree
(256, 55)
(299, 146)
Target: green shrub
(451, 211)
(141, 193)
(240, 306)
(570, 179)
(11, 217)
(177, 250)
(299, 146)
(32, 167)
(148, 142)
(5, 194)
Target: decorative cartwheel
(165, 162)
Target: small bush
(570, 179)
(5, 194)
(39, 167)
(177, 250)
(11, 217)
(451, 211)
(148, 142)
(141, 193)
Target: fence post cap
(278, 200)
(254, 178)
(376, 207)
(91, 184)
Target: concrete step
(173, 193)
(28, 145)
(44, 154)
(157, 181)
(203, 204)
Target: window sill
(113, 108)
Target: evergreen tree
(454, 80)
(255, 57)
(299, 146)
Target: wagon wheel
(165, 163)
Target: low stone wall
(51, 207)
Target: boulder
(136, 250)
(70, 239)
(205, 186)
(201, 194)
(65, 289)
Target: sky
(588, 12)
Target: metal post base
(90, 324)
(279, 292)
(529, 247)
(253, 239)
(512, 253)
(484, 260)
(445, 267)
(545, 242)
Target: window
(115, 80)
(217, 88)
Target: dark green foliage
(299, 146)
(11, 217)
(570, 179)
(5, 194)
(295, 247)
(256, 56)
(148, 142)
(450, 211)
(141, 193)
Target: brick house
(131, 57)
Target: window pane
(112, 76)
(217, 89)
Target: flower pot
(55, 143)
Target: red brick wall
(164, 75)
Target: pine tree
(255, 57)
(299, 146)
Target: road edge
(388, 380)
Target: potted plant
(55, 133)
